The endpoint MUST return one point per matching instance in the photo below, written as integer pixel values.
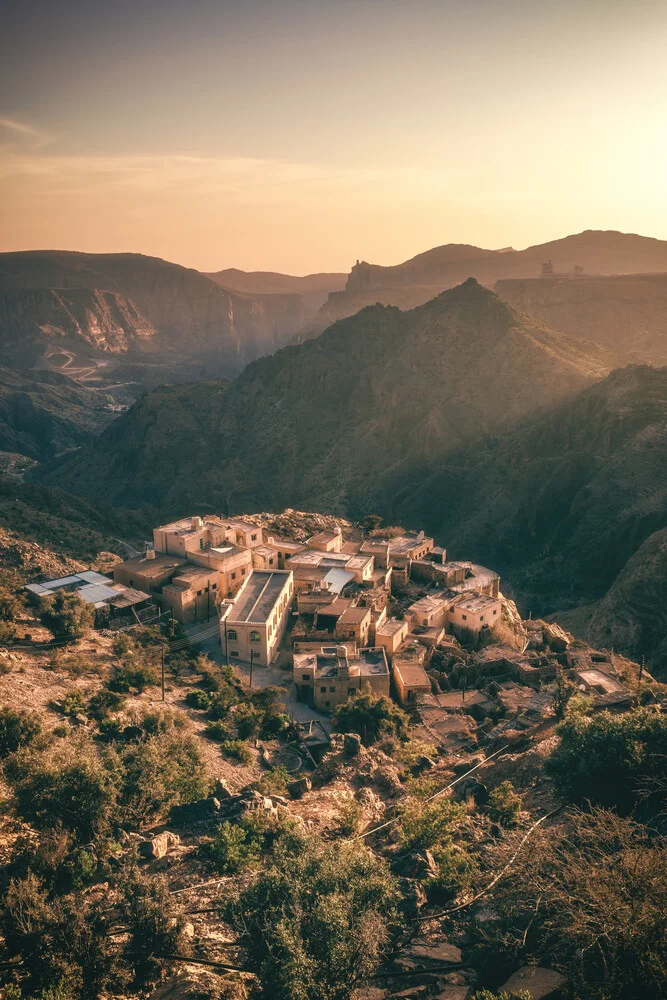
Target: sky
(300, 135)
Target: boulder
(461, 766)
(439, 951)
(352, 744)
(222, 790)
(299, 787)
(160, 845)
(473, 788)
(425, 763)
(417, 864)
(538, 981)
(452, 992)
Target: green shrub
(315, 923)
(156, 924)
(67, 616)
(424, 824)
(504, 804)
(274, 781)
(137, 674)
(18, 729)
(371, 718)
(236, 750)
(248, 721)
(350, 816)
(456, 871)
(104, 704)
(161, 771)
(73, 703)
(200, 700)
(122, 644)
(612, 760)
(218, 731)
(72, 782)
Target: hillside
(570, 507)
(625, 312)
(43, 414)
(324, 424)
(420, 278)
(313, 288)
(109, 306)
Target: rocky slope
(570, 507)
(313, 289)
(107, 304)
(419, 279)
(323, 425)
(627, 313)
(43, 414)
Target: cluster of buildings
(333, 592)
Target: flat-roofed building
(257, 617)
(329, 676)
(398, 551)
(285, 547)
(430, 611)
(192, 594)
(327, 541)
(410, 677)
(390, 634)
(470, 614)
(354, 623)
(265, 557)
(150, 572)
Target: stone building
(329, 676)
(256, 619)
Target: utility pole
(163, 672)
(252, 657)
(226, 645)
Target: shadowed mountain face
(570, 506)
(419, 279)
(127, 307)
(323, 424)
(43, 414)
(312, 288)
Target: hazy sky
(298, 135)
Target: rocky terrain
(79, 309)
(627, 313)
(44, 413)
(326, 423)
(420, 278)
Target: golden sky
(297, 136)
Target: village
(331, 614)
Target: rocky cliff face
(128, 304)
(419, 279)
(312, 289)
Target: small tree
(316, 923)
(565, 689)
(18, 729)
(155, 921)
(504, 804)
(371, 717)
(67, 616)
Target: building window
(323, 690)
(481, 618)
(233, 576)
(201, 543)
(271, 561)
(332, 690)
(305, 677)
(255, 636)
(242, 572)
(232, 634)
(327, 704)
(132, 583)
(215, 586)
(235, 653)
(253, 538)
(199, 593)
(425, 622)
(495, 612)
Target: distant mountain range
(313, 288)
(417, 280)
(92, 314)
(323, 424)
